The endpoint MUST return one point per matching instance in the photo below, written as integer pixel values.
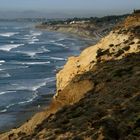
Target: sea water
(29, 60)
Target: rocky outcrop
(97, 93)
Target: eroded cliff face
(93, 28)
(96, 91)
(109, 111)
(115, 46)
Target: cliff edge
(93, 28)
(98, 93)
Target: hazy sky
(98, 6)
(68, 4)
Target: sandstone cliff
(98, 93)
(93, 28)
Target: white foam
(33, 53)
(5, 92)
(2, 69)
(62, 45)
(59, 67)
(33, 40)
(18, 27)
(32, 37)
(4, 110)
(2, 61)
(29, 63)
(34, 88)
(8, 47)
(58, 58)
(61, 39)
(19, 103)
(57, 40)
(22, 102)
(27, 53)
(28, 36)
(10, 106)
(52, 41)
(8, 34)
(11, 42)
(35, 63)
(5, 75)
(33, 85)
(33, 33)
(44, 49)
(30, 100)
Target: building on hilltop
(79, 22)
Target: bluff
(93, 28)
(98, 93)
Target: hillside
(93, 28)
(98, 93)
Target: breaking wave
(8, 34)
(8, 47)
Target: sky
(71, 7)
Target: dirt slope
(98, 93)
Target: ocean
(29, 61)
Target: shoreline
(31, 110)
(98, 89)
(92, 28)
(73, 30)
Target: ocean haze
(63, 8)
(59, 14)
(69, 4)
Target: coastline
(28, 113)
(67, 29)
(77, 30)
(82, 31)
(92, 28)
(100, 71)
(33, 109)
